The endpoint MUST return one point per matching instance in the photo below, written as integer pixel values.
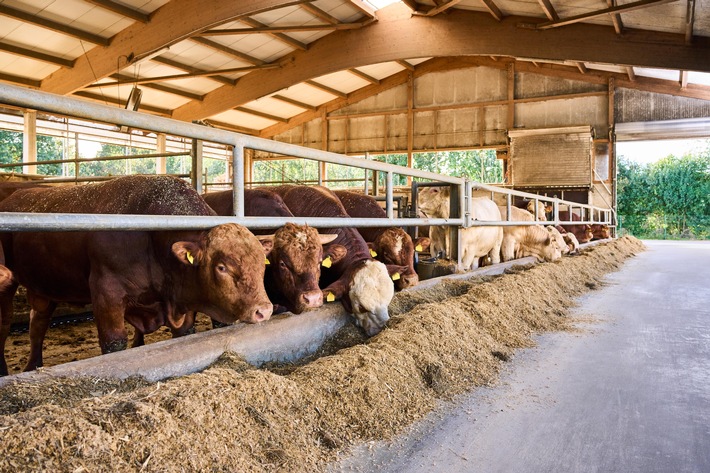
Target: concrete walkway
(630, 394)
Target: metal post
(320, 175)
(388, 195)
(238, 178)
(366, 184)
(454, 231)
(161, 164)
(29, 141)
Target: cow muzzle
(260, 314)
(312, 299)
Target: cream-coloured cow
(541, 210)
(475, 241)
(527, 240)
(559, 239)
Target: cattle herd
(151, 279)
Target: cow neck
(178, 283)
(355, 243)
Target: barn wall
(639, 106)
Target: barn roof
(261, 66)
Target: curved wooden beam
(174, 22)
(460, 33)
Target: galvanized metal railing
(462, 188)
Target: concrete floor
(629, 394)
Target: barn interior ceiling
(260, 66)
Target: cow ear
(325, 239)
(334, 252)
(334, 291)
(422, 243)
(267, 242)
(395, 271)
(188, 252)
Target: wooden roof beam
(128, 80)
(122, 103)
(588, 16)
(615, 18)
(273, 30)
(280, 36)
(19, 80)
(493, 9)
(122, 10)
(257, 113)
(689, 21)
(405, 64)
(325, 88)
(549, 10)
(362, 75)
(227, 50)
(230, 127)
(363, 7)
(438, 9)
(630, 73)
(53, 25)
(48, 58)
(187, 68)
(149, 80)
(296, 103)
(582, 68)
(320, 14)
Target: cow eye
(221, 268)
(282, 265)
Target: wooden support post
(29, 142)
(161, 164)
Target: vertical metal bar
(238, 178)
(389, 191)
(455, 231)
(366, 184)
(555, 210)
(196, 173)
(375, 186)
(537, 204)
(29, 141)
(508, 205)
(76, 156)
(320, 175)
(468, 218)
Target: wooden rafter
(151, 80)
(363, 7)
(689, 21)
(611, 10)
(296, 103)
(582, 67)
(493, 9)
(48, 58)
(549, 10)
(126, 79)
(630, 73)
(227, 50)
(615, 18)
(364, 76)
(257, 113)
(325, 88)
(284, 38)
(19, 80)
(184, 67)
(229, 126)
(405, 64)
(320, 14)
(282, 29)
(54, 26)
(439, 8)
(122, 10)
(170, 24)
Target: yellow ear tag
(395, 276)
(373, 253)
(189, 257)
(266, 260)
(419, 248)
(327, 263)
(330, 297)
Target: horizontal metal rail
(95, 160)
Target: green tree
(49, 148)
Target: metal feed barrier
(461, 194)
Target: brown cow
(392, 245)
(600, 232)
(148, 279)
(583, 232)
(362, 283)
(295, 258)
(569, 239)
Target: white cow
(559, 239)
(475, 241)
(527, 240)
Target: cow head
(571, 241)
(395, 247)
(601, 232)
(433, 202)
(225, 274)
(558, 239)
(541, 209)
(295, 262)
(365, 291)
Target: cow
(543, 209)
(583, 232)
(569, 238)
(362, 283)
(391, 245)
(145, 278)
(559, 239)
(600, 231)
(476, 241)
(433, 202)
(296, 254)
(527, 240)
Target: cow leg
(495, 251)
(107, 299)
(507, 249)
(40, 315)
(5, 319)
(138, 339)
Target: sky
(650, 151)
